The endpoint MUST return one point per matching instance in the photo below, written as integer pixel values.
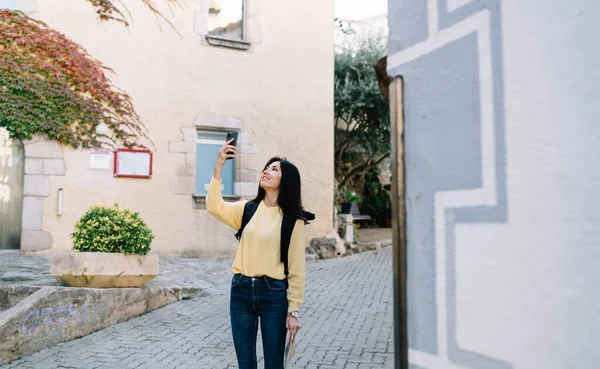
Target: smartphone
(235, 136)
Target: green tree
(362, 139)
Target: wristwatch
(294, 314)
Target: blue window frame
(208, 144)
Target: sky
(345, 9)
(231, 12)
(360, 9)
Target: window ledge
(200, 200)
(224, 42)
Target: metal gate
(12, 165)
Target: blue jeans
(253, 298)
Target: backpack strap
(287, 228)
(249, 210)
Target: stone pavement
(347, 322)
(188, 273)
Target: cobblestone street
(347, 322)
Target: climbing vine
(108, 10)
(51, 85)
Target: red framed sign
(130, 163)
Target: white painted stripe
(453, 5)
(482, 196)
(486, 97)
(433, 23)
(486, 195)
(438, 40)
(440, 280)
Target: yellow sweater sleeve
(229, 213)
(296, 265)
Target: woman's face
(271, 177)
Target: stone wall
(245, 176)
(179, 83)
(43, 158)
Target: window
(208, 144)
(226, 19)
(8, 4)
(27, 6)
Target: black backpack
(287, 227)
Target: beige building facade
(268, 76)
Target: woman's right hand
(225, 152)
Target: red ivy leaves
(50, 84)
(33, 44)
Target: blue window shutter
(207, 150)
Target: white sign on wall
(99, 159)
(133, 163)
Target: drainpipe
(396, 100)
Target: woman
(258, 287)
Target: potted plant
(349, 198)
(112, 246)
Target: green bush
(112, 229)
(377, 200)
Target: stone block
(346, 227)
(324, 248)
(185, 170)
(245, 138)
(245, 188)
(54, 167)
(35, 240)
(249, 149)
(48, 316)
(200, 202)
(349, 233)
(237, 163)
(43, 149)
(37, 137)
(32, 213)
(220, 122)
(183, 185)
(190, 134)
(182, 147)
(12, 295)
(345, 219)
(190, 158)
(253, 30)
(201, 21)
(253, 9)
(34, 166)
(339, 243)
(246, 175)
(36, 185)
(103, 269)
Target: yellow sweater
(258, 253)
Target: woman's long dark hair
(290, 191)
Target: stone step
(33, 318)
